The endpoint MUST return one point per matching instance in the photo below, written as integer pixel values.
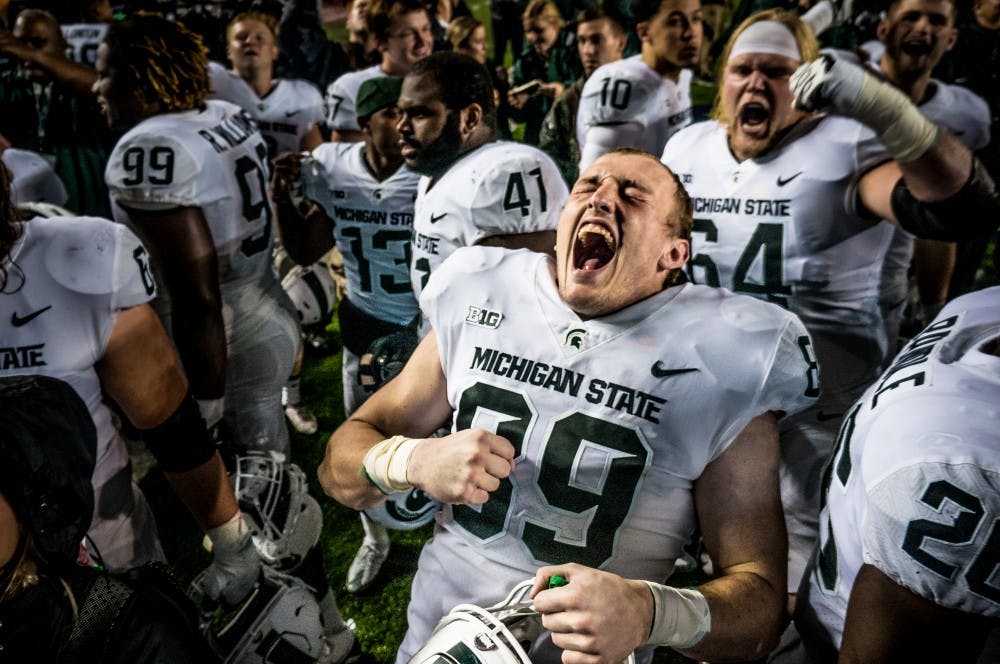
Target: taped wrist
(181, 442)
(681, 618)
(230, 537)
(971, 213)
(385, 464)
(900, 125)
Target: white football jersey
(373, 227)
(913, 487)
(67, 280)
(500, 188)
(613, 420)
(784, 228)
(630, 92)
(284, 115)
(341, 98)
(214, 159)
(82, 40)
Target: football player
(365, 194)
(916, 35)
(909, 536)
(287, 111)
(643, 100)
(475, 189)
(578, 390)
(402, 30)
(74, 296)
(785, 200)
(192, 177)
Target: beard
(435, 157)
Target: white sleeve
(934, 528)
(341, 112)
(792, 380)
(157, 171)
(524, 194)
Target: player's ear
(642, 30)
(882, 30)
(675, 255)
(471, 118)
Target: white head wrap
(767, 37)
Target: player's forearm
(64, 71)
(748, 615)
(206, 492)
(306, 237)
(200, 336)
(339, 473)
(941, 171)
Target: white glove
(235, 562)
(827, 83)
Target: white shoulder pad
(932, 528)
(34, 180)
(520, 191)
(792, 381)
(152, 167)
(309, 98)
(341, 112)
(95, 256)
(464, 263)
(225, 85)
(614, 95)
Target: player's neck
(380, 165)
(260, 81)
(391, 68)
(664, 68)
(914, 87)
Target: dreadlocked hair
(163, 61)
(10, 226)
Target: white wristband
(385, 464)
(681, 618)
(229, 536)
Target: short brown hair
(383, 13)
(260, 17)
(543, 10)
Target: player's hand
(287, 169)
(235, 563)
(827, 83)
(552, 89)
(517, 100)
(597, 617)
(462, 468)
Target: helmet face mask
(499, 634)
(279, 621)
(275, 495)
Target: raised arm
(306, 230)
(460, 468)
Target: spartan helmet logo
(574, 338)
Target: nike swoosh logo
(437, 218)
(289, 114)
(823, 417)
(783, 181)
(18, 321)
(659, 372)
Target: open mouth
(594, 247)
(916, 48)
(755, 118)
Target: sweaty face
(541, 35)
(614, 246)
(251, 46)
(598, 43)
(757, 101)
(916, 37)
(381, 133)
(408, 41)
(119, 102)
(429, 132)
(674, 33)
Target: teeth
(600, 230)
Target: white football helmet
(279, 621)
(504, 633)
(275, 496)
(405, 511)
(312, 291)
